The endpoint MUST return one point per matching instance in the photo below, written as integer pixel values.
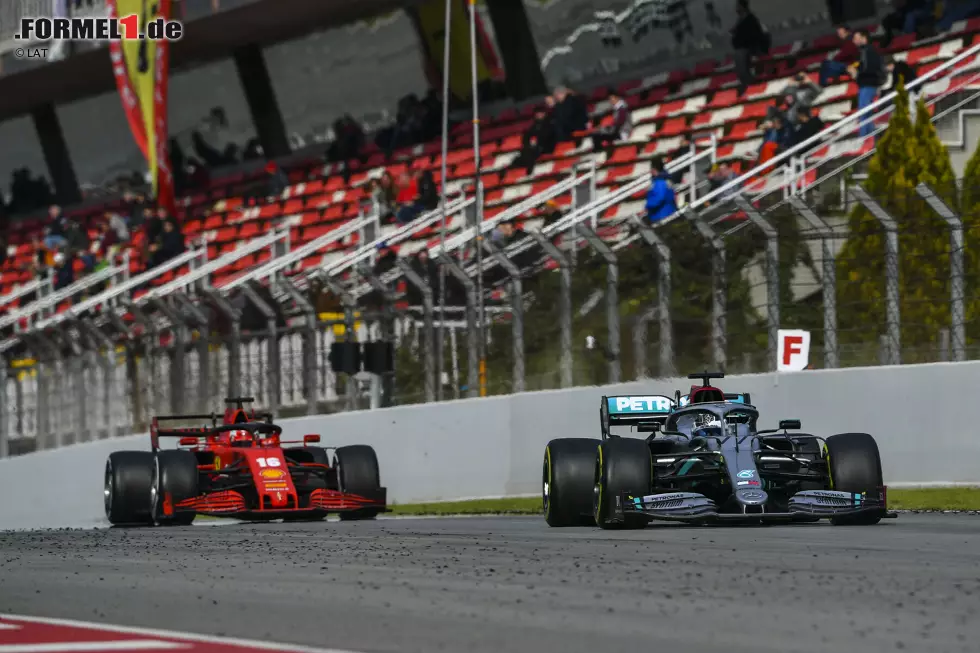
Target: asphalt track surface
(511, 584)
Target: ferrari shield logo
(272, 473)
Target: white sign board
(793, 352)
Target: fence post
(47, 357)
(517, 310)
(272, 344)
(309, 341)
(472, 348)
(640, 327)
(194, 316)
(234, 317)
(612, 298)
(84, 355)
(664, 290)
(387, 328)
(831, 358)
(719, 295)
(428, 329)
(105, 352)
(135, 400)
(4, 411)
(892, 310)
(178, 368)
(152, 340)
(564, 305)
(957, 314)
(772, 276)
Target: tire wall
(921, 416)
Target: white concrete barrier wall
(922, 416)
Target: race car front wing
(802, 506)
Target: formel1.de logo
(126, 28)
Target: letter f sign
(793, 352)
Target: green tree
(970, 212)
(906, 156)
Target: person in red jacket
(848, 54)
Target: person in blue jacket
(661, 201)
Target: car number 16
(268, 462)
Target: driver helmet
(705, 423)
(241, 438)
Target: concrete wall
(921, 416)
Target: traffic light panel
(379, 357)
(345, 357)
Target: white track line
(172, 634)
(74, 647)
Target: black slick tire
(622, 465)
(567, 481)
(357, 473)
(855, 466)
(128, 479)
(177, 479)
(319, 456)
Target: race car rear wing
(156, 432)
(645, 412)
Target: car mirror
(187, 442)
(311, 439)
(787, 424)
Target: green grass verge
(516, 506)
(959, 498)
(964, 498)
(940, 498)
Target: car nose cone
(751, 497)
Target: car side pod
(833, 503)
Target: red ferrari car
(239, 468)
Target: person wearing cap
(661, 200)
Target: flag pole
(447, 30)
(478, 189)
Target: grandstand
(322, 230)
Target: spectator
(571, 114)
(347, 144)
(55, 230)
(426, 268)
(721, 174)
(901, 71)
(551, 213)
(277, 181)
(64, 273)
(383, 192)
(619, 129)
(800, 96)
(169, 244)
(831, 69)
(661, 200)
(507, 232)
(836, 10)
(907, 17)
(869, 75)
(409, 207)
(78, 245)
(807, 126)
(152, 226)
(540, 138)
(748, 40)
